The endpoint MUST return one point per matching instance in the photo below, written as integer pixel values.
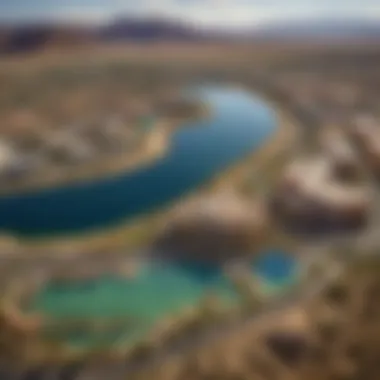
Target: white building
(68, 147)
(364, 128)
(337, 147)
(366, 132)
(7, 156)
(309, 192)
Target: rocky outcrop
(214, 229)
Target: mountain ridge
(21, 38)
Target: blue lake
(240, 124)
(275, 267)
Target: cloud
(250, 12)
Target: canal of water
(240, 123)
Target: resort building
(15, 165)
(308, 195)
(364, 128)
(366, 134)
(337, 147)
(7, 156)
(67, 147)
(215, 228)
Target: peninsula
(116, 139)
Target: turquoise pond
(156, 291)
(240, 123)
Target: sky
(219, 13)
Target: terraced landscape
(195, 273)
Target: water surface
(158, 290)
(198, 151)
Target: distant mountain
(318, 29)
(23, 38)
(149, 29)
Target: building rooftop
(313, 178)
(7, 155)
(336, 145)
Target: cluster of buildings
(37, 150)
(311, 197)
(325, 189)
(365, 132)
(330, 189)
(340, 151)
(65, 147)
(330, 184)
(319, 98)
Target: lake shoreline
(232, 178)
(134, 234)
(154, 146)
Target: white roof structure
(337, 146)
(367, 130)
(313, 179)
(372, 145)
(308, 171)
(365, 126)
(7, 155)
(71, 143)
